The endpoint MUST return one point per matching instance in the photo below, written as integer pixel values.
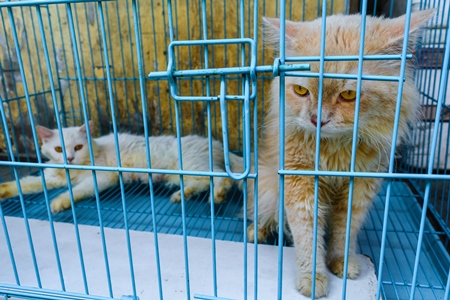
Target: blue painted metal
(45, 2)
(34, 293)
(317, 160)
(197, 217)
(281, 138)
(441, 97)
(394, 139)
(121, 183)
(204, 297)
(355, 145)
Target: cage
(154, 68)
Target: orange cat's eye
(78, 147)
(301, 90)
(58, 149)
(348, 95)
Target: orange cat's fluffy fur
(376, 119)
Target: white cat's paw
(176, 197)
(59, 204)
(8, 190)
(336, 266)
(304, 284)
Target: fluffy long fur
(164, 155)
(376, 119)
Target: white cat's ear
(397, 27)
(91, 127)
(271, 32)
(44, 132)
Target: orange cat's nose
(314, 121)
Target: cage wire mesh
(65, 62)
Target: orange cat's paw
(304, 284)
(336, 266)
(263, 233)
(59, 204)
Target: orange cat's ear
(271, 32)
(397, 27)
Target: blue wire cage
(154, 67)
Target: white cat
(164, 155)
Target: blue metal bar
(66, 71)
(116, 140)
(246, 134)
(17, 97)
(245, 70)
(121, 169)
(155, 54)
(30, 115)
(137, 36)
(44, 2)
(34, 293)
(222, 174)
(441, 95)
(210, 147)
(204, 297)
(354, 145)
(183, 201)
(317, 159)
(345, 76)
(111, 63)
(224, 115)
(32, 65)
(348, 57)
(178, 84)
(82, 64)
(85, 110)
(180, 153)
(193, 123)
(55, 105)
(227, 71)
(282, 148)
(147, 145)
(255, 148)
(394, 144)
(83, 99)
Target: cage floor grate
(402, 232)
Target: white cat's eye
(58, 149)
(300, 90)
(78, 147)
(348, 95)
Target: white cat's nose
(70, 159)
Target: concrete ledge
(229, 256)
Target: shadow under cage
(154, 68)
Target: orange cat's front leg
(365, 189)
(299, 209)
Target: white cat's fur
(164, 155)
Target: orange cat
(376, 119)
